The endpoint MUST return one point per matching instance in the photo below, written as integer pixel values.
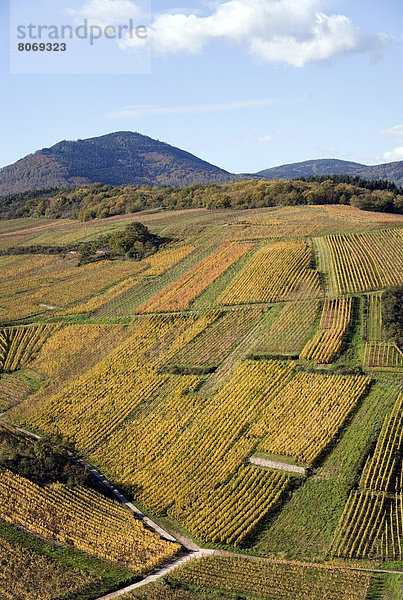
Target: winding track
(192, 551)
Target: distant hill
(120, 158)
(331, 166)
(127, 158)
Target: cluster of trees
(100, 201)
(134, 242)
(393, 315)
(41, 461)
(372, 184)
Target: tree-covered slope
(390, 171)
(120, 158)
(99, 201)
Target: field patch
(212, 345)
(21, 567)
(180, 293)
(379, 353)
(33, 285)
(308, 412)
(82, 518)
(18, 345)
(365, 262)
(289, 331)
(236, 507)
(371, 525)
(280, 271)
(274, 581)
(327, 341)
(12, 391)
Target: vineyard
(86, 343)
(290, 329)
(251, 343)
(12, 391)
(211, 346)
(20, 568)
(378, 352)
(180, 293)
(365, 262)
(32, 285)
(112, 391)
(182, 452)
(250, 494)
(178, 430)
(307, 413)
(280, 271)
(328, 340)
(373, 330)
(371, 525)
(82, 518)
(296, 222)
(271, 581)
(382, 355)
(160, 591)
(19, 344)
(154, 265)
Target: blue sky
(243, 90)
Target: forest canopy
(99, 201)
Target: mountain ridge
(130, 158)
(332, 166)
(120, 158)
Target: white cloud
(107, 12)
(394, 155)
(146, 111)
(295, 32)
(396, 132)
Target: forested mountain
(120, 158)
(126, 158)
(390, 171)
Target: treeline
(372, 184)
(392, 315)
(134, 242)
(41, 461)
(99, 201)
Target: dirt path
(187, 543)
(158, 574)
(193, 552)
(302, 564)
(274, 464)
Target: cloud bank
(294, 32)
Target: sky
(243, 84)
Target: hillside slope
(390, 171)
(127, 158)
(120, 158)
